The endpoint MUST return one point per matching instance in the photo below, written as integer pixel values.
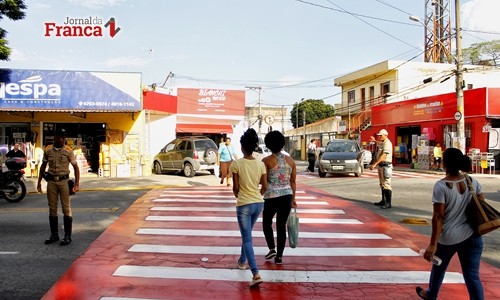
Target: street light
(297, 122)
(459, 85)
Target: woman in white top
(451, 233)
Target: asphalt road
(29, 267)
(411, 199)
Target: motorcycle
(12, 188)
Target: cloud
(126, 61)
(17, 55)
(97, 3)
(481, 15)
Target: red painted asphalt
(94, 274)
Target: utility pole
(459, 115)
(259, 117)
(282, 119)
(304, 121)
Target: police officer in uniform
(58, 157)
(384, 163)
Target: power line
(354, 14)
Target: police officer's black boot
(54, 234)
(388, 199)
(381, 202)
(68, 227)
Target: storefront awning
(204, 128)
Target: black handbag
(482, 216)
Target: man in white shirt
(312, 155)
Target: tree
(315, 110)
(12, 9)
(485, 53)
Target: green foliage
(14, 10)
(485, 53)
(314, 110)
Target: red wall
(440, 107)
(211, 102)
(436, 111)
(493, 104)
(159, 101)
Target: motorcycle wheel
(18, 193)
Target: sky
(279, 51)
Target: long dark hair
(249, 140)
(454, 161)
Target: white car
(262, 151)
(367, 158)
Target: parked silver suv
(188, 155)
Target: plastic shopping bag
(217, 171)
(293, 228)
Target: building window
(363, 98)
(351, 97)
(371, 95)
(385, 88)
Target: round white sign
(269, 120)
(458, 116)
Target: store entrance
(84, 138)
(403, 145)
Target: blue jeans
(469, 254)
(247, 216)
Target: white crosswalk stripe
(235, 233)
(233, 219)
(387, 277)
(233, 209)
(299, 251)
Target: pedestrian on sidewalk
(279, 197)
(438, 155)
(384, 163)
(58, 157)
(16, 152)
(312, 155)
(451, 232)
(225, 157)
(248, 173)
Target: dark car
(341, 156)
(188, 155)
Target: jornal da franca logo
(82, 27)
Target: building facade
(101, 112)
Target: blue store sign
(69, 90)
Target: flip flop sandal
(256, 282)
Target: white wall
(161, 132)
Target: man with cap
(58, 157)
(384, 163)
